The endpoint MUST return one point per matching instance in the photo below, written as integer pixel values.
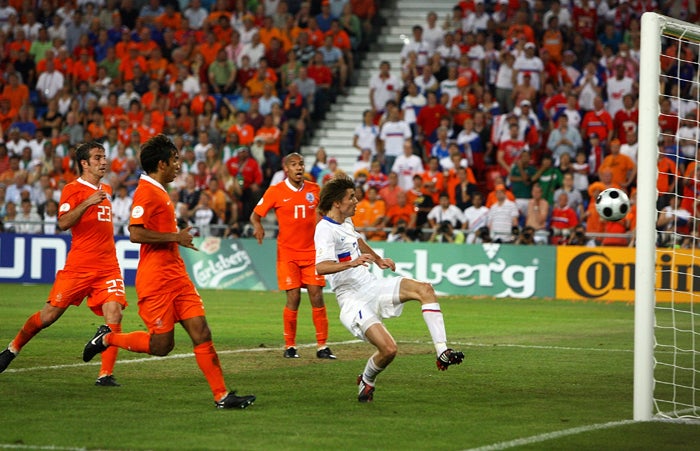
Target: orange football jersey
(296, 216)
(92, 244)
(153, 210)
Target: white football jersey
(339, 243)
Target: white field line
(551, 435)
(45, 447)
(123, 361)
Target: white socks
(432, 315)
(371, 371)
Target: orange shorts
(160, 312)
(297, 274)
(71, 287)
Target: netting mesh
(676, 357)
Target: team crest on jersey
(64, 207)
(137, 212)
(310, 197)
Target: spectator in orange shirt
(198, 101)
(170, 18)
(242, 129)
(401, 211)
(133, 58)
(209, 48)
(271, 138)
(623, 169)
(16, 92)
(85, 69)
(157, 65)
(434, 180)
(369, 215)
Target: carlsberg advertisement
(477, 270)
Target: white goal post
(666, 378)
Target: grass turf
(533, 367)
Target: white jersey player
(364, 299)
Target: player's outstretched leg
(96, 345)
(449, 357)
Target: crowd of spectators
(235, 84)
(504, 120)
(508, 118)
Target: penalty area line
(167, 357)
(551, 436)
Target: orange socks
(208, 362)
(289, 318)
(31, 327)
(139, 341)
(320, 319)
(109, 356)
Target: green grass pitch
(538, 374)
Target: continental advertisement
(607, 273)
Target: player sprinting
(91, 270)
(166, 293)
(294, 201)
(343, 257)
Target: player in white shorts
(344, 258)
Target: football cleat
(6, 357)
(96, 345)
(107, 381)
(325, 353)
(365, 392)
(291, 353)
(449, 357)
(231, 401)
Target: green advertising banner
(474, 270)
(232, 264)
(494, 270)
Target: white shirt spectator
(476, 21)
(475, 218)
(500, 220)
(50, 226)
(195, 16)
(383, 89)
(406, 168)
(121, 211)
(616, 91)
(450, 88)
(476, 55)
(532, 65)
(393, 134)
(424, 84)
(433, 36)
(367, 137)
(452, 214)
(411, 105)
(422, 49)
(50, 83)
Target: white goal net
(667, 341)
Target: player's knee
(426, 292)
(162, 348)
(389, 352)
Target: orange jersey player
(166, 293)
(294, 201)
(91, 270)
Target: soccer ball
(612, 204)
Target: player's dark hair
(83, 153)
(156, 149)
(334, 190)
